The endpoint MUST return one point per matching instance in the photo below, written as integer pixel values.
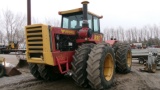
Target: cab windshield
(74, 21)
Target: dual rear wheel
(95, 66)
(101, 67)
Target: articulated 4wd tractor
(76, 48)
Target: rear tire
(101, 67)
(115, 46)
(34, 70)
(49, 73)
(123, 59)
(79, 65)
(2, 70)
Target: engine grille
(34, 41)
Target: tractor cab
(87, 24)
(73, 19)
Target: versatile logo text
(68, 32)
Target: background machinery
(14, 47)
(2, 67)
(11, 47)
(76, 48)
(7, 69)
(152, 61)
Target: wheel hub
(108, 67)
(129, 59)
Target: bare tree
(53, 22)
(49, 21)
(107, 33)
(1, 37)
(35, 20)
(128, 36)
(12, 24)
(121, 32)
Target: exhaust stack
(85, 17)
(28, 12)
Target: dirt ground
(135, 80)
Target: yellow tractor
(76, 49)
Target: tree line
(148, 35)
(12, 29)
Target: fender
(111, 42)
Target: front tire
(101, 67)
(34, 70)
(79, 65)
(49, 73)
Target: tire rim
(108, 67)
(129, 59)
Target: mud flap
(12, 71)
(22, 64)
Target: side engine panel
(65, 42)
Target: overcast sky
(125, 13)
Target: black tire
(141, 60)
(79, 65)
(6, 52)
(2, 70)
(49, 73)
(34, 70)
(115, 46)
(123, 59)
(101, 59)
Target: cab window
(65, 22)
(96, 24)
(72, 21)
(90, 21)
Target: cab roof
(77, 10)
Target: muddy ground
(135, 80)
